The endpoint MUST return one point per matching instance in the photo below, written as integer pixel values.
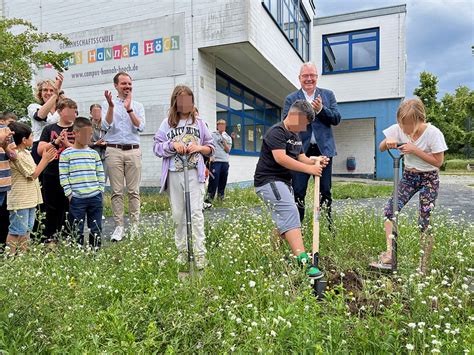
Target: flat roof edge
(383, 11)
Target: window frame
(295, 10)
(266, 123)
(350, 41)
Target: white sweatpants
(178, 210)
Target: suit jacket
(321, 126)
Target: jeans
(91, 207)
(220, 170)
(22, 221)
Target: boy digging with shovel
(281, 152)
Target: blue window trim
(304, 52)
(256, 121)
(350, 41)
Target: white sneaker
(134, 233)
(200, 262)
(117, 235)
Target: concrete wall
(355, 138)
(236, 36)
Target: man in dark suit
(318, 138)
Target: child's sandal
(385, 258)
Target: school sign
(145, 49)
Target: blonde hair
(39, 88)
(173, 114)
(412, 109)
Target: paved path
(456, 198)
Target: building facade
(241, 58)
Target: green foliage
(450, 114)
(19, 43)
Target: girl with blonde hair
(423, 146)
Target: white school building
(241, 58)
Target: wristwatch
(131, 110)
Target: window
(349, 52)
(248, 115)
(293, 21)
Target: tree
(450, 114)
(19, 60)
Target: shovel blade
(319, 288)
(381, 267)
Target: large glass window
(248, 115)
(353, 51)
(293, 21)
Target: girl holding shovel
(185, 136)
(423, 147)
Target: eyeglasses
(306, 76)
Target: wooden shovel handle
(316, 214)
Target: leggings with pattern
(427, 183)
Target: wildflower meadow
(127, 298)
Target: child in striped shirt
(81, 175)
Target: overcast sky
(439, 35)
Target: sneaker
(207, 205)
(200, 262)
(303, 259)
(182, 261)
(313, 272)
(117, 235)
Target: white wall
(388, 81)
(355, 138)
(213, 23)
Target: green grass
(127, 298)
(457, 165)
(239, 197)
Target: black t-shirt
(277, 137)
(51, 132)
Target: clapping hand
(317, 104)
(49, 154)
(59, 82)
(127, 103)
(108, 97)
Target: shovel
(189, 226)
(392, 267)
(319, 285)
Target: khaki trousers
(125, 169)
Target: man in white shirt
(123, 119)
